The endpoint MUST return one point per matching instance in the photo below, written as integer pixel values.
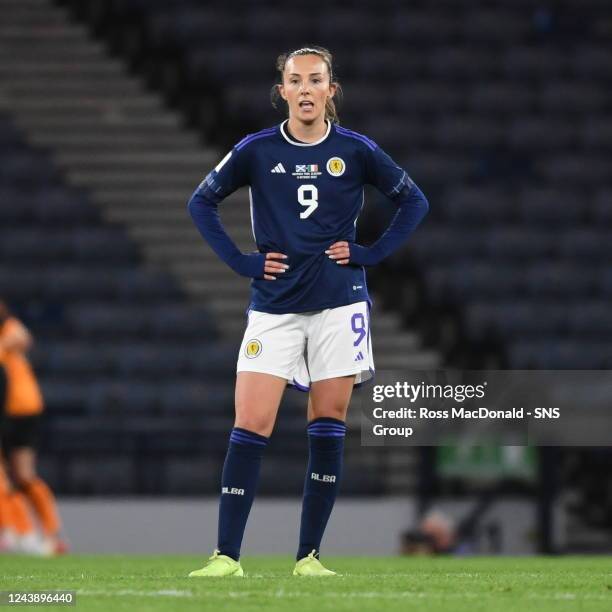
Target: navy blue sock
(326, 446)
(238, 486)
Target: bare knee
(255, 423)
(330, 398)
(252, 416)
(334, 411)
(258, 397)
(22, 466)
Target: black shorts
(16, 432)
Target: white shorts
(309, 346)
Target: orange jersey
(23, 395)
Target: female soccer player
(22, 405)
(308, 321)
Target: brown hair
(281, 61)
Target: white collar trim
(304, 144)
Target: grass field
(112, 583)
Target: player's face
(306, 87)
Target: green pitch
(113, 583)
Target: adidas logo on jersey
(359, 356)
(278, 169)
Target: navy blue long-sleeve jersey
(303, 198)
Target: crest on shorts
(253, 348)
(336, 166)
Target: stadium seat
(501, 97)
(134, 285)
(10, 136)
(555, 355)
(467, 206)
(19, 168)
(522, 62)
(472, 278)
(406, 26)
(115, 475)
(465, 132)
(35, 245)
(429, 167)
(206, 360)
(104, 321)
(377, 62)
(590, 62)
(182, 321)
(591, 320)
(57, 207)
(64, 395)
(552, 207)
(605, 280)
(76, 360)
(103, 244)
(518, 243)
(441, 245)
(147, 360)
(511, 319)
(20, 284)
(113, 397)
(71, 283)
(495, 27)
(586, 244)
(541, 133)
(574, 170)
(571, 97)
(188, 475)
(601, 207)
(596, 132)
(203, 399)
(461, 62)
(550, 279)
(351, 24)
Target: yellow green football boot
(219, 566)
(311, 566)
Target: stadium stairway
(140, 164)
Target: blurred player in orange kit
(22, 407)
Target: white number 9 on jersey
(308, 195)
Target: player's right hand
(272, 266)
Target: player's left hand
(340, 252)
